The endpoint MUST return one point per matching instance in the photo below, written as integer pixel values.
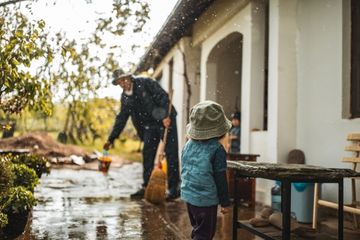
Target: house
(292, 67)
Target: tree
(77, 69)
(82, 70)
(21, 43)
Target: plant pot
(16, 224)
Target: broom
(156, 188)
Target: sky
(76, 18)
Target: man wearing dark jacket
(147, 103)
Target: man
(147, 104)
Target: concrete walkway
(86, 204)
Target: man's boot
(139, 194)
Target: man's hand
(107, 145)
(166, 122)
(224, 210)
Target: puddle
(83, 204)
(86, 204)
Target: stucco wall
(306, 77)
(321, 130)
(241, 23)
(192, 58)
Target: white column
(282, 79)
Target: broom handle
(170, 107)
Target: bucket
(104, 162)
(302, 201)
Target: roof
(177, 25)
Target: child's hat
(207, 120)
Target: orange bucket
(104, 163)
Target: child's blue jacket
(202, 162)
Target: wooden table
(287, 174)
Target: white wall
(305, 103)
(259, 145)
(192, 58)
(178, 97)
(241, 23)
(282, 79)
(321, 130)
(164, 81)
(250, 22)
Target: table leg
(341, 210)
(286, 208)
(235, 209)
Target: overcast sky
(76, 18)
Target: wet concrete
(86, 204)
(83, 204)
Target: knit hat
(207, 120)
(119, 74)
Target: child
(235, 133)
(203, 173)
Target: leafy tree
(82, 71)
(73, 68)
(21, 43)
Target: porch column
(282, 79)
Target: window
(355, 59)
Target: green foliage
(21, 43)
(3, 220)
(91, 120)
(25, 176)
(19, 200)
(6, 176)
(69, 66)
(82, 71)
(39, 164)
(17, 182)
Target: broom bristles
(156, 188)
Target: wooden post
(315, 207)
(354, 201)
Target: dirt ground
(41, 143)
(59, 154)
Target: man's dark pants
(203, 221)
(152, 136)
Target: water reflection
(89, 205)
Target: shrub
(38, 163)
(25, 176)
(3, 220)
(6, 176)
(19, 200)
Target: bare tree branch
(3, 4)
